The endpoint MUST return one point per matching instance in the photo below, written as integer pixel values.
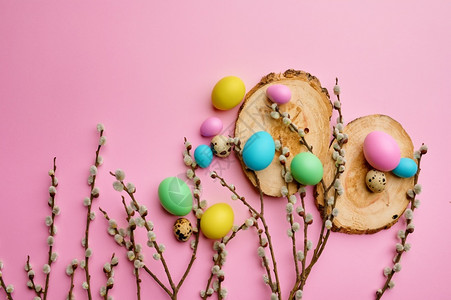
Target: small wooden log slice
(309, 107)
(360, 210)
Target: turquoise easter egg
(259, 150)
(175, 196)
(203, 155)
(406, 168)
(306, 168)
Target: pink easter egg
(381, 151)
(211, 127)
(278, 93)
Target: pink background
(146, 69)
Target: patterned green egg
(175, 196)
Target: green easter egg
(175, 196)
(306, 168)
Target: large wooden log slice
(309, 107)
(360, 210)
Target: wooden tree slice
(360, 210)
(309, 107)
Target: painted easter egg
(220, 146)
(259, 150)
(228, 93)
(217, 221)
(279, 93)
(381, 151)
(306, 168)
(406, 168)
(211, 127)
(376, 181)
(203, 156)
(182, 229)
(175, 196)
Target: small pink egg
(211, 127)
(381, 151)
(278, 93)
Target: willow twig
(89, 214)
(8, 289)
(411, 195)
(55, 210)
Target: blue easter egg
(406, 168)
(259, 150)
(203, 155)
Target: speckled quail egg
(182, 229)
(220, 146)
(376, 181)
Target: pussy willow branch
(30, 274)
(5, 288)
(290, 214)
(148, 228)
(88, 218)
(219, 261)
(52, 228)
(268, 236)
(397, 258)
(259, 215)
(131, 229)
(109, 274)
(136, 206)
(71, 289)
(197, 184)
(107, 217)
(326, 214)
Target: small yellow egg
(217, 221)
(228, 93)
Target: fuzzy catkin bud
(417, 189)
(100, 127)
(69, 270)
(408, 214)
(298, 294)
(102, 141)
(130, 255)
(309, 245)
(93, 170)
(88, 252)
(95, 192)
(131, 188)
(118, 186)
(48, 221)
(46, 269)
(397, 267)
(300, 255)
(328, 224)
(275, 115)
(52, 190)
(53, 256)
(391, 284)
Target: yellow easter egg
(217, 221)
(228, 93)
